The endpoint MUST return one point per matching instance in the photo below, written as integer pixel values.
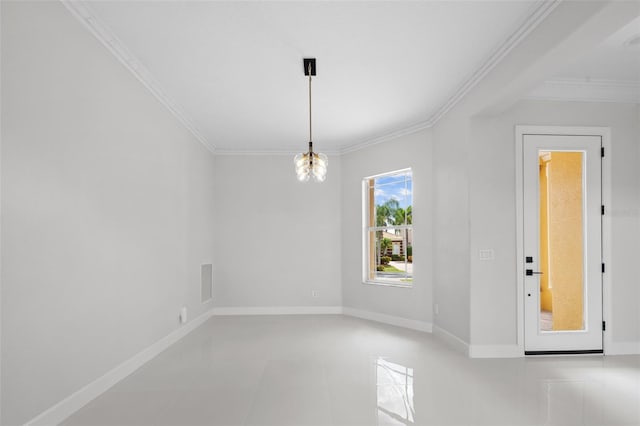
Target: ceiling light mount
(310, 164)
(309, 65)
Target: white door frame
(605, 133)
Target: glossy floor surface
(337, 370)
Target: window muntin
(388, 233)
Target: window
(388, 228)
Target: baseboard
(277, 310)
(65, 408)
(323, 310)
(388, 319)
(495, 351)
(451, 339)
(622, 348)
(80, 398)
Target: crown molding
(351, 148)
(388, 136)
(83, 13)
(224, 152)
(574, 90)
(537, 13)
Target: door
(562, 199)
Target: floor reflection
(395, 393)
(273, 371)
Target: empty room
(320, 212)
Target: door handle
(530, 272)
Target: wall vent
(206, 280)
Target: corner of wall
(65, 408)
(451, 340)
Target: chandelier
(310, 164)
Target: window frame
(367, 229)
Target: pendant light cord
(310, 164)
(310, 139)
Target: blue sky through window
(397, 186)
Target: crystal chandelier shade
(311, 164)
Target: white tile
(353, 404)
(336, 370)
(291, 405)
(125, 408)
(227, 405)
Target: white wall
(413, 151)
(277, 239)
(1, 133)
(107, 206)
(492, 213)
(469, 186)
(451, 226)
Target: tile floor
(337, 370)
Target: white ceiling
(609, 72)
(615, 59)
(234, 69)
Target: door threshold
(566, 352)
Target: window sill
(387, 284)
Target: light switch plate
(486, 254)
